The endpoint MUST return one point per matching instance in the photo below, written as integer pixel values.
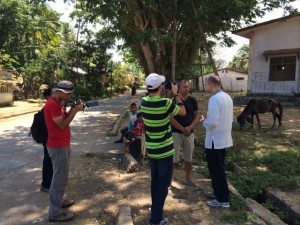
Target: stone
(263, 212)
(124, 216)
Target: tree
(240, 60)
(146, 26)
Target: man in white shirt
(218, 126)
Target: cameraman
(59, 138)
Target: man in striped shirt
(159, 141)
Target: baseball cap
(64, 86)
(154, 80)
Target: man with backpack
(59, 139)
(39, 133)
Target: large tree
(146, 28)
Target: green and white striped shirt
(156, 115)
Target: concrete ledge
(124, 216)
(129, 163)
(236, 168)
(115, 129)
(263, 213)
(279, 198)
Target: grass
(269, 156)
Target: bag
(38, 129)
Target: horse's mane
(248, 109)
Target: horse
(256, 106)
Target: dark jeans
(161, 174)
(47, 169)
(124, 131)
(216, 166)
(130, 136)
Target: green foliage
(240, 60)
(146, 26)
(239, 214)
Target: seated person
(136, 130)
(132, 118)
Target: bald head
(214, 79)
(213, 83)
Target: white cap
(154, 81)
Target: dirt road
(21, 158)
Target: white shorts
(187, 145)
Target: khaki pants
(187, 145)
(60, 160)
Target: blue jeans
(161, 175)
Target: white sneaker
(216, 203)
(164, 222)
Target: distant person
(159, 141)
(133, 89)
(132, 117)
(182, 131)
(58, 144)
(47, 170)
(218, 125)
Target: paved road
(21, 158)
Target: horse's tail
(280, 110)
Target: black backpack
(38, 129)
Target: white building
(6, 88)
(231, 80)
(274, 65)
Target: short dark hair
(139, 114)
(214, 79)
(47, 92)
(132, 104)
(152, 90)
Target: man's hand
(78, 107)
(201, 118)
(174, 89)
(188, 129)
(186, 132)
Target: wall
(281, 35)
(229, 81)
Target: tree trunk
(173, 73)
(203, 37)
(149, 58)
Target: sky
(223, 53)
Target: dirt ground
(100, 186)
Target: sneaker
(43, 189)
(63, 217)
(211, 195)
(163, 222)
(119, 141)
(216, 203)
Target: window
(240, 78)
(282, 68)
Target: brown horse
(256, 106)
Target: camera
(88, 104)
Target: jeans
(161, 175)
(60, 159)
(216, 166)
(47, 170)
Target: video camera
(87, 104)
